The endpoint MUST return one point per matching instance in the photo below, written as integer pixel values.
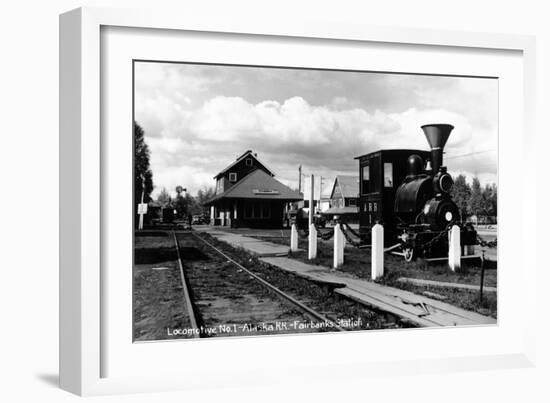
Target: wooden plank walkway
(254, 245)
(418, 281)
(419, 309)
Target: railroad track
(193, 308)
(185, 287)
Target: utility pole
(300, 178)
(320, 192)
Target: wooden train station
(248, 195)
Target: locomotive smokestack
(437, 135)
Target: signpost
(142, 207)
(142, 210)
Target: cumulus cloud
(197, 121)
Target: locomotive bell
(437, 135)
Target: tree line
(475, 200)
(184, 204)
(143, 177)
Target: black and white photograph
(300, 201)
(278, 200)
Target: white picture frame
(83, 306)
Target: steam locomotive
(409, 193)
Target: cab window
(388, 175)
(365, 174)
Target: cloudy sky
(198, 118)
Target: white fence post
(310, 212)
(312, 243)
(454, 248)
(377, 257)
(338, 253)
(293, 238)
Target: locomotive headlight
(448, 216)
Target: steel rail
(190, 306)
(309, 312)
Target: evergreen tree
(476, 205)
(143, 177)
(489, 197)
(203, 195)
(494, 199)
(164, 198)
(192, 206)
(461, 194)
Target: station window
(365, 174)
(257, 210)
(248, 162)
(388, 175)
(232, 177)
(352, 202)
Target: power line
(467, 155)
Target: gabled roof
(248, 153)
(349, 186)
(259, 185)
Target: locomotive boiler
(409, 193)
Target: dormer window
(232, 177)
(248, 162)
